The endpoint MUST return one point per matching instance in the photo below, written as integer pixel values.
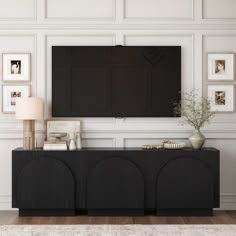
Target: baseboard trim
(227, 201)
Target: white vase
(197, 139)
(72, 145)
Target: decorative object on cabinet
(16, 67)
(78, 138)
(57, 143)
(61, 126)
(72, 145)
(58, 135)
(54, 145)
(10, 94)
(221, 67)
(197, 139)
(29, 109)
(174, 145)
(166, 144)
(196, 112)
(152, 146)
(221, 97)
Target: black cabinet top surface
(122, 149)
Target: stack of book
(55, 145)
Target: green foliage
(194, 110)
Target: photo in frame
(9, 95)
(16, 67)
(221, 67)
(221, 97)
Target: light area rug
(118, 230)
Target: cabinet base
(115, 212)
(47, 212)
(184, 212)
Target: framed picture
(221, 67)
(16, 67)
(10, 93)
(221, 97)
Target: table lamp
(29, 109)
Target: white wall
(199, 26)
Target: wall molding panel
(219, 10)
(151, 13)
(80, 10)
(15, 10)
(165, 10)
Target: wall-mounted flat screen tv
(115, 81)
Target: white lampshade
(29, 108)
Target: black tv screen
(115, 81)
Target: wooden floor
(220, 217)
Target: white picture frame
(16, 67)
(221, 67)
(9, 94)
(221, 98)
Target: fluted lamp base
(28, 134)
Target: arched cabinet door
(185, 182)
(115, 183)
(45, 183)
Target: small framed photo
(221, 97)
(10, 93)
(221, 67)
(16, 67)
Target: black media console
(115, 182)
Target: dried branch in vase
(194, 110)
